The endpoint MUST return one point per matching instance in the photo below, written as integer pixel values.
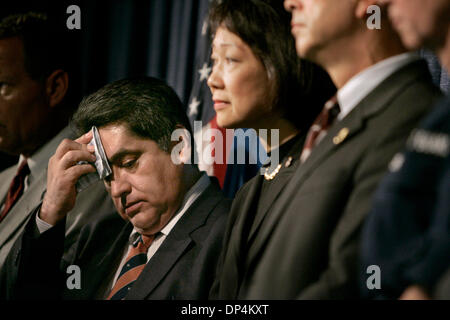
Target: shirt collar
(39, 160)
(193, 193)
(358, 87)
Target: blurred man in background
(407, 234)
(36, 101)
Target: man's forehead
(115, 136)
(11, 48)
(119, 141)
(11, 55)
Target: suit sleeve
(35, 263)
(407, 231)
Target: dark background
(122, 38)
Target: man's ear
(56, 87)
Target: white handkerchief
(101, 163)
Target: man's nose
(119, 185)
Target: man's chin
(411, 42)
(142, 225)
(410, 39)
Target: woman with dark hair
(258, 82)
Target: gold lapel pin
(271, 175)
(288, 162)
(343, 133)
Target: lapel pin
(343, 133)
(288, 162)
(271, 175)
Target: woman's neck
(278, 132)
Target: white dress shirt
(358, 87)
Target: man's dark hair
(148, 107)
(300, 88)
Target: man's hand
(62, 176)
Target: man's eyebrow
(119, 155)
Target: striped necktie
(16, 188)
(135, 263)
(320, 127)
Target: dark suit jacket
(182, 268)
(407, 233)
(310, 242)
(247, 217)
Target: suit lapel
(98, 275)
(118, 245)
(244, 211)
(20, 212)
(110, 261)
(175, 244)
(245, 214)
(350, 126)
(5, 180)
(278, 185)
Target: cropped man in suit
(309, 246)
(175, 214)
(407, 234)
(36, 101)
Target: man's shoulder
(439, 118)
(411, 84)
(415, 75)
(399, 103)
(208, 214)
(213, 192)
(214, 201)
